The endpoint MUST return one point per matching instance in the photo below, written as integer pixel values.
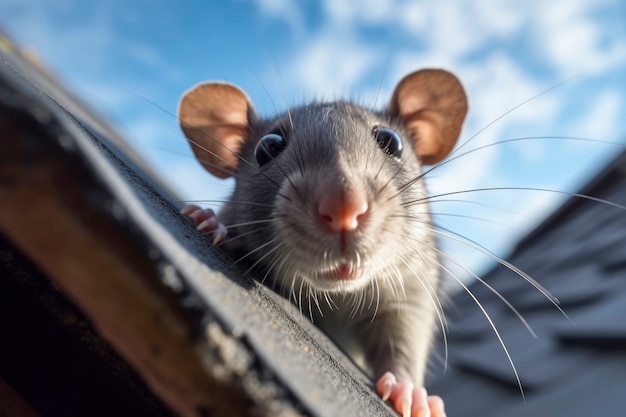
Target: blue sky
(123, 56)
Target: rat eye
(269, 147)
(388, 140)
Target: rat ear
(432, 105)
(216, 118)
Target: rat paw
(408, 400)
(206, 222)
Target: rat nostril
(342, 214)
(327, 218)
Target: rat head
(328, 194)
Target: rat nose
(342, 212)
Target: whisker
(465, 216)
(249, 223)
(432, 295)
(470, 202)
(310, 295)
(292, 292)
(232, 238)
(255, 250)
(501, 142)
(243, 203)
(353, 302)
(475, 135)
(476, 246)
(329, 300)
(267, 254)
(432, 292)
(377, 287)
(271, 267)
(241, 158)
(491, 323)
(390, 180)
(371, 285)
(286, 176)
(281, 87)
(314, 294)
(392, 286)
(204, 161)
(486, 284)
(506, 113)
(546, 190)
(265, 89)
(382, 79)
(194, 143)
(299, 154)
(363, 300)
(397, 276)
(300, 296)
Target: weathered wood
(54, 211)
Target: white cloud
(330, 64)
(574, 42)
(449, 28)
(368, 12)
(498, 19)
(605, 113)
(284, 10)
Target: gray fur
(390, 312)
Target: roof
(577, 364)
(111, 303)
(65, 342)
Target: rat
(330, 206)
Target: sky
(546, 70)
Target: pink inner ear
(432, 104)
(430, 146)
(419, 129)
(221, 159)
(215, 118)
(409, 104)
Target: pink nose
(342, 212)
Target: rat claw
(385, 384)
(189, 209)
(219, 234)
(406, 409)
(206, 222)
(208, 225)
(387, 392)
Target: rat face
(327, 194)
(337, 182)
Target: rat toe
(436, 405)
(407, 400)
(420, 406)
(385, 384)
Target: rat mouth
(341, 277)
(343, 272)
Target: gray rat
(329, 205)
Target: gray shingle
(600, 324)
(575, 368)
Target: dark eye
(269, 147)
(388, 140)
